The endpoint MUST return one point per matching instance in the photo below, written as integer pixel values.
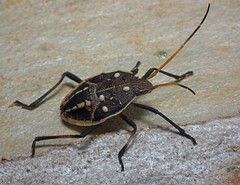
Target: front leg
(177, 77)
(135, 68)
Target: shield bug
(100, 97)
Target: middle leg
(133, 125)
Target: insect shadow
(112, 125)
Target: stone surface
(39, 40)
(155, 156)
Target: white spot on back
(126, 88)
(116, 75)
(104, 109)
(101, 97)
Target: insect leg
(36, 102)
(153, 110)
(177, 77)
(82, 135)
(135, 69)
(120, 154)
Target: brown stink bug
(100, 97)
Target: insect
(100, 97)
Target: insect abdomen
(76, 102)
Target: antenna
(179, 49)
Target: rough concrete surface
(154, 157)
(39, 40)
